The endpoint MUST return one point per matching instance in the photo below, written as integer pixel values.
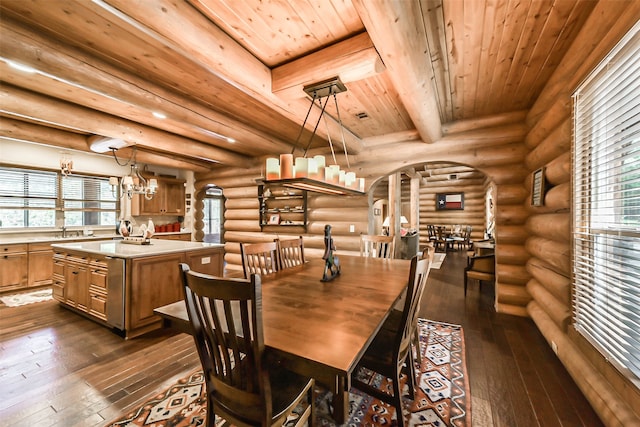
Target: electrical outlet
(352, 228)
(554, 347)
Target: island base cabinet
(122, 292)
(155, 281)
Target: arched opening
(213, 215)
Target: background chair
(242, 386)
(390, 350)
(290, 252)
(464, 240)
(480, 267)
(442, 238)
(377, 246)
(259, 258)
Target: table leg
(341, 401)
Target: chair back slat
(377, 246)
(290, 252)
(259, 258)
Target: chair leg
(465, 284)
(398, 400)
(416, 342)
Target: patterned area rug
(26, 298)
(442, 397)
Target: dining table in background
(322, 329)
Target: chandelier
(312, 173)
(134, 183)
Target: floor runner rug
(26, 298)
(442, 396)
(438, 258)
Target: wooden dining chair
(377, 246)
(481, 268)
(390, 351)
(442, 238)
(290, 252)
(259, 258)
(394, 318)
(242, 386)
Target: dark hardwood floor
(59, 369)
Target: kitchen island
(119, 285)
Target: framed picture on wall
(449, 201)
(538, 188)
(274, 219)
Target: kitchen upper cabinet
(168, 200)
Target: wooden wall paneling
(558, 170)
(558, 198)
(515, 254)
(511, 194)
(511, 214)
(553, 281)
(511, 234)
(557, 310)
(556, 254)
(550, 120)
(556, 143)
(553, 226)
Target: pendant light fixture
(312, 173)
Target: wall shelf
(282, 206)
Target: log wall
(241, 222)
(549, 241)
(468, 181)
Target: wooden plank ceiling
(228, 75)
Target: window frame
(60, 204)
(605, 160)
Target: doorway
(213, 215)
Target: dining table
(322, 329)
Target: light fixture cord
(344, 145)
(133, 155)
(333, 153)
(317, 122)
(313, 101)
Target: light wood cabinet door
(40, 267)
(207, 263)
(168, 200)
(155, 281)
(174, 198)
(77, 286)
(14, 270)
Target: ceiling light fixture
(312, 174)
(134, 183)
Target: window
(88, 201)
(606, 297)
(31, 198)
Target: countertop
(117, 249)
(13, 239)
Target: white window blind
(606, 161)
(88, 201)
(32, 198)
(28, 198)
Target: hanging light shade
(313, 173)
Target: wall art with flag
(449, 201)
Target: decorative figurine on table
(332, 263)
